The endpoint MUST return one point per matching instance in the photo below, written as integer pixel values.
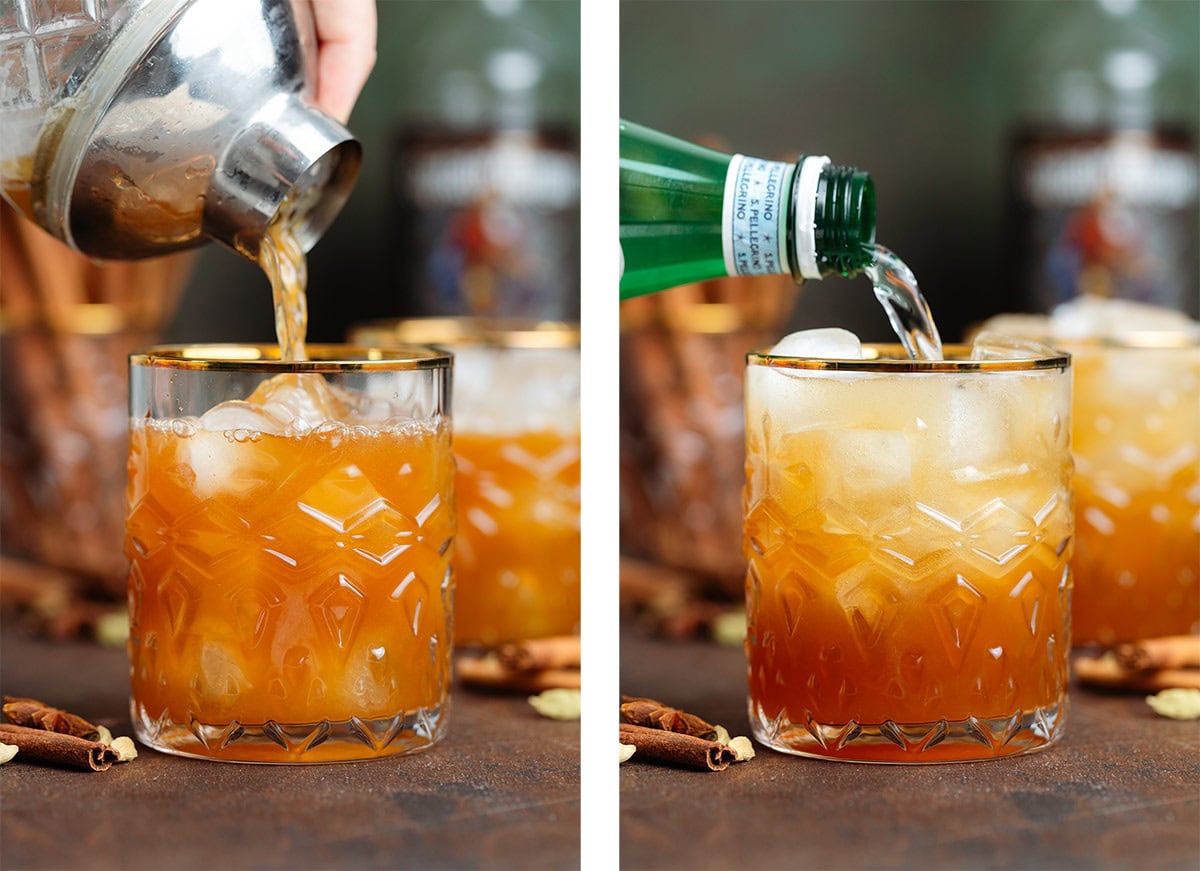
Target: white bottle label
(754, 222)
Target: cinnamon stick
(674, 748)
(1175, 651)
(39, 715)
(539, 654)
(55, 748)
(655, 715)
(487, 672)
(1107, 673)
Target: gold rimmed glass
(321, 358)
(907, 528)
(289, 534)
(516, 440)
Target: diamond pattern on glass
(384, 535)
(303, 604)
(1028, 593)
(338, 609)
(998, 533)
(178, 600)
(956, 615)
(148, 528)
(376, 734)
(64, 16)
(256, 610)
(869, 605)
(36, 40)
(210, 537)
(917, 605)
(796, 597)
(340, 501)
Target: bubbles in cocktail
(498, 391)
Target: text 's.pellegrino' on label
(753, 223)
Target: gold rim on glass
(265, 358)
(486, 332)
(893, 358)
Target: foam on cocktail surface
(874, 441)
(298, 403)
(1092, 317)
(1134, 396)
(506, 391)
(217, 448)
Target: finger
(342, 71)
(346, 32)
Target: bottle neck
(803, 229)
(808, 219)
(844, 220)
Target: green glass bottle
(689, 213)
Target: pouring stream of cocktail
(282, 259)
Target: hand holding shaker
(133, 128)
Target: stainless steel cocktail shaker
(133, 128)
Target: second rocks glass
(516, 442)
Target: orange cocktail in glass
(1136, 443)
(1137, 487)
(289, 533)
(519, 544)
(908, 525)
(516, 441)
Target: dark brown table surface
(1121, 790)
(500, 791)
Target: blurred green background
(430, 53)
(923, 95)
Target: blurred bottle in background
(1103, 172)
(487, 172)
